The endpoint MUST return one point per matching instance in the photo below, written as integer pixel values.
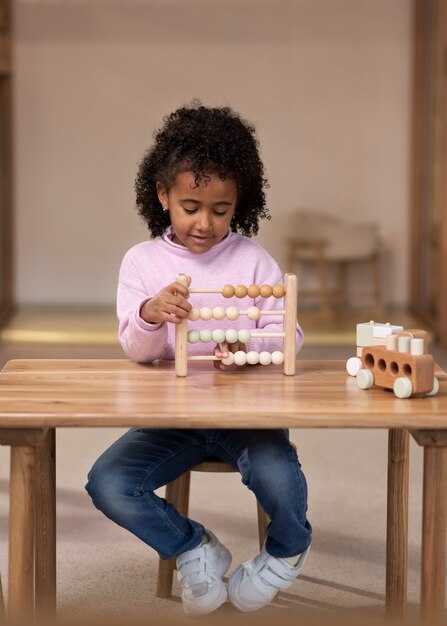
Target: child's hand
(222, 350)
(169, 305)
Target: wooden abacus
(287, 357)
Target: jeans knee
(106, 487)
(274, 472)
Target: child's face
(200, 215)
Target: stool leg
(177, 493)
(263, 522)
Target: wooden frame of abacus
(289, 314)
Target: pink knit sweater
(150, 266)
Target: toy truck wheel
(353, 365)
(365, 379)
(435, 389)
(402, 387)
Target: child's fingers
(236, 346)
(178, 288)
(221, 350)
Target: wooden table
(38, 396)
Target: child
(199, 185)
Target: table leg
(45, 528)
(21, 533)
(397, 524)
(434, 534)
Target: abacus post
(290, 307)
(181, 338)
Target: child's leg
(123, 480)
(270, 468)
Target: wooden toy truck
(396, 359)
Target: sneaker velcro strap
(192, 567)
(275, 579)
(191, 581)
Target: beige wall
(326, 81)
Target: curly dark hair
(204, 140)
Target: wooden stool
(177, 493)
(327, 243)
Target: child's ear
(162, 194)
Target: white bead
(265, 358)
(218, 335)
(194, 314)
(252, 357)
(206, 335)
(218, 313)
(277, 357)
(206, 313)
(229, 360)
(240, 357)
(231, 335)
(193, 336)
(253, 313)
(232, 313)
(244, 336)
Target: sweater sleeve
(141, 341)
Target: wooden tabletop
(54, 393)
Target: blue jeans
(122, 483)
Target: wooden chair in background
(331, 246)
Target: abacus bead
(193, 336)
(278, 291)
(277, 357)
(240, 291)
(265, 358)
(266, 291)
(229, 360)
(253, 291)
(231, 335)
(232, 313)
(218, 335)
(253, 313)
(206, 335)
(228, 291)
(252, 357)
(244, 336)
(218, 313)
(240, 357)
(194, 314)
(206, 313)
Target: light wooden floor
(98, 325)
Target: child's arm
(143, 319)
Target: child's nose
(204, 221)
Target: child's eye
(189, 211)
(221, 213)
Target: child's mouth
(200, 239)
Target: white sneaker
(255, 583)
(200, 571)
